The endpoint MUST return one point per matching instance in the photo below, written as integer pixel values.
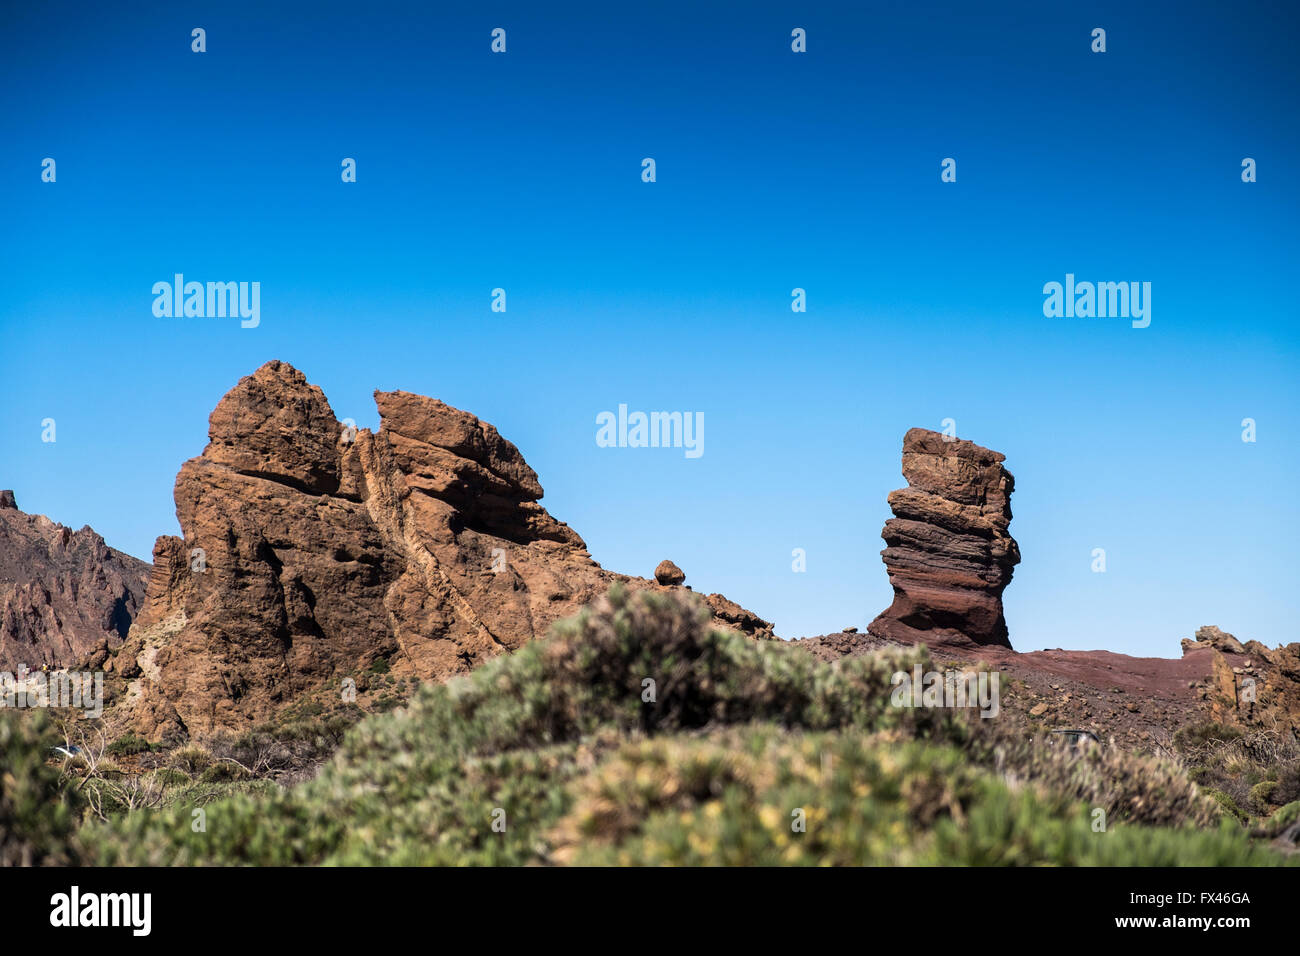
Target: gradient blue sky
(775, 170)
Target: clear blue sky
(775, 170)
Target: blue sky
(775, 170)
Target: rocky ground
(1138, 702)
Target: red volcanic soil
(1167, 676)
(950, 554)
(1137, 702)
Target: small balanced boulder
(948, 549)
(668, 573)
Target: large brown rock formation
(948, 548)
(310, 550)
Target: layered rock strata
(948, 550)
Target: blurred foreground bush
(553, 754)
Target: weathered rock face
(948, 548)
(62, 592)
(310, 551)
(1250, 684)
(669, 574)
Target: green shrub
(1227, 805)
(420, 785)
(1282, 818)
(1205, 734)
(128, 745)
(755, 797)
(1261, 797)
(556, 742)
(190, 759)
(36, 813)
(223, 771)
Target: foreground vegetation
(738, 752)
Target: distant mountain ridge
(62, 592)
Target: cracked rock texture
(310, 550)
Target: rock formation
(310, 550)
(62, 592)
(669, 574)
(1250, 684)
(948, 549)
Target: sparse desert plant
(1189, 740)
(1248, 772)
(190, 759)
(128, 745)
(223, 771)
(1128, 786)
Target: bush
(1129, 787)
(1261, 797)
(1288, 784)
(556, 742)
(420, 785)
(1204, 735)
(1228, 806)
(758, 798)
(1248, 772)
(36, 813)
(1282, 818)
(191, 759)
(128, 745)
(223, 771)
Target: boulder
(668, 573)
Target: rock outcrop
(1250, 684)
(310, 551)
(62, 592)
(948, 549)
(669, 574)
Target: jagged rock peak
(310, 550)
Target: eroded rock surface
(310, 550)
(1249, 683)
(948, 551)
(669, 574)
